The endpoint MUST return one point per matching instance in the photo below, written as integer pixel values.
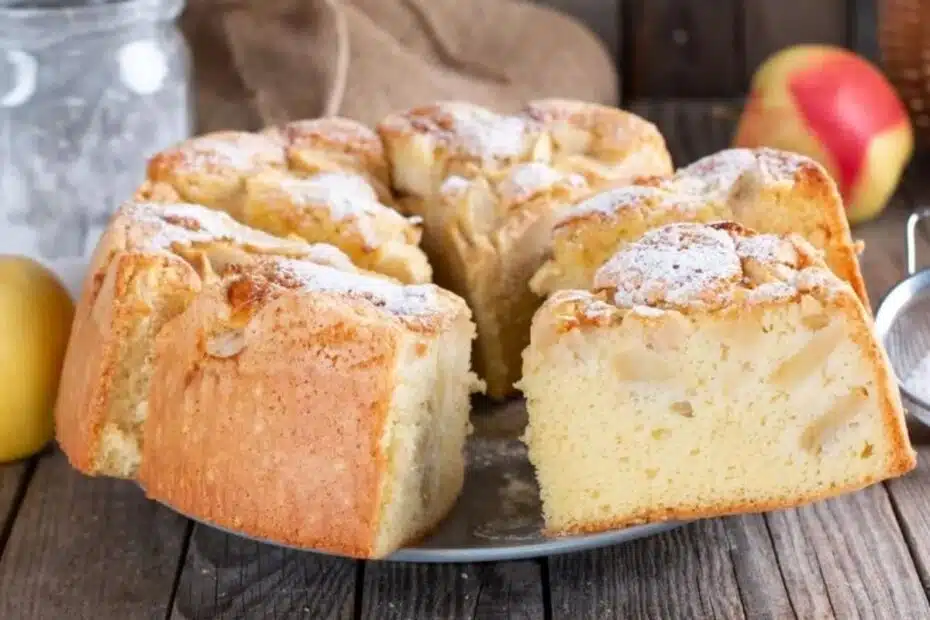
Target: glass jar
(89, 90)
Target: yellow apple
(35, 321)
(837, 108)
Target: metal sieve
(902, 322)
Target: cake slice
(324, 180)
(767, 190)
(488, 188)
(712, 370)
(149, 264)
(312, 407)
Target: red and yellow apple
(837, 108)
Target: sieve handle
(911, 240)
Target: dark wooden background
(710, 48)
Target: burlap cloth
(259, 62)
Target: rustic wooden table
(75, 547)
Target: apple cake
(208, 360)
(313, 407)
(324, 180)
(767, 190)
(148, 265)
(488, 187)
(710, 370)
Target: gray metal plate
(498, 515)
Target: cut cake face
(764, 189)
(711, 370)
(489, 186)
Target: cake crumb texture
(710, 370)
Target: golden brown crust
(660, 281)
(289, 367)
(488, 187)
(323, 180)
(145, 269)
(302, 403)
(613, 133)
(568, 310)
(336, 144)
(768, 190)
(342, 209)
(713, 266)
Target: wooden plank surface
(678, 48)
(13, 480)
(855, 546)
(453, 591)
(770, 25)
(88, 548)
(685, 573)
(227, 577)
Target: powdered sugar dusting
(344, 195)
(590, 306)
(767, 249)
(342, 131)
(467, 128)
(918, 380)
(404, 300)
(488, 135)
(681, 264)
(710, 266)
(243, 152)
(819, 279)
(525, 180)
(326, 254)
(454, 185)
(717, 174)
(167, 224)
(614, 202)
(772, 291)
(710, 180)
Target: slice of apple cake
(489, 186)
(711, 370)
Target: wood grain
(13, 478)
(771, 25)
(682, 48)
(855, 545)
(88, 548)
(226, 576)
(685, 573)
(492, 591)
(762, 587)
